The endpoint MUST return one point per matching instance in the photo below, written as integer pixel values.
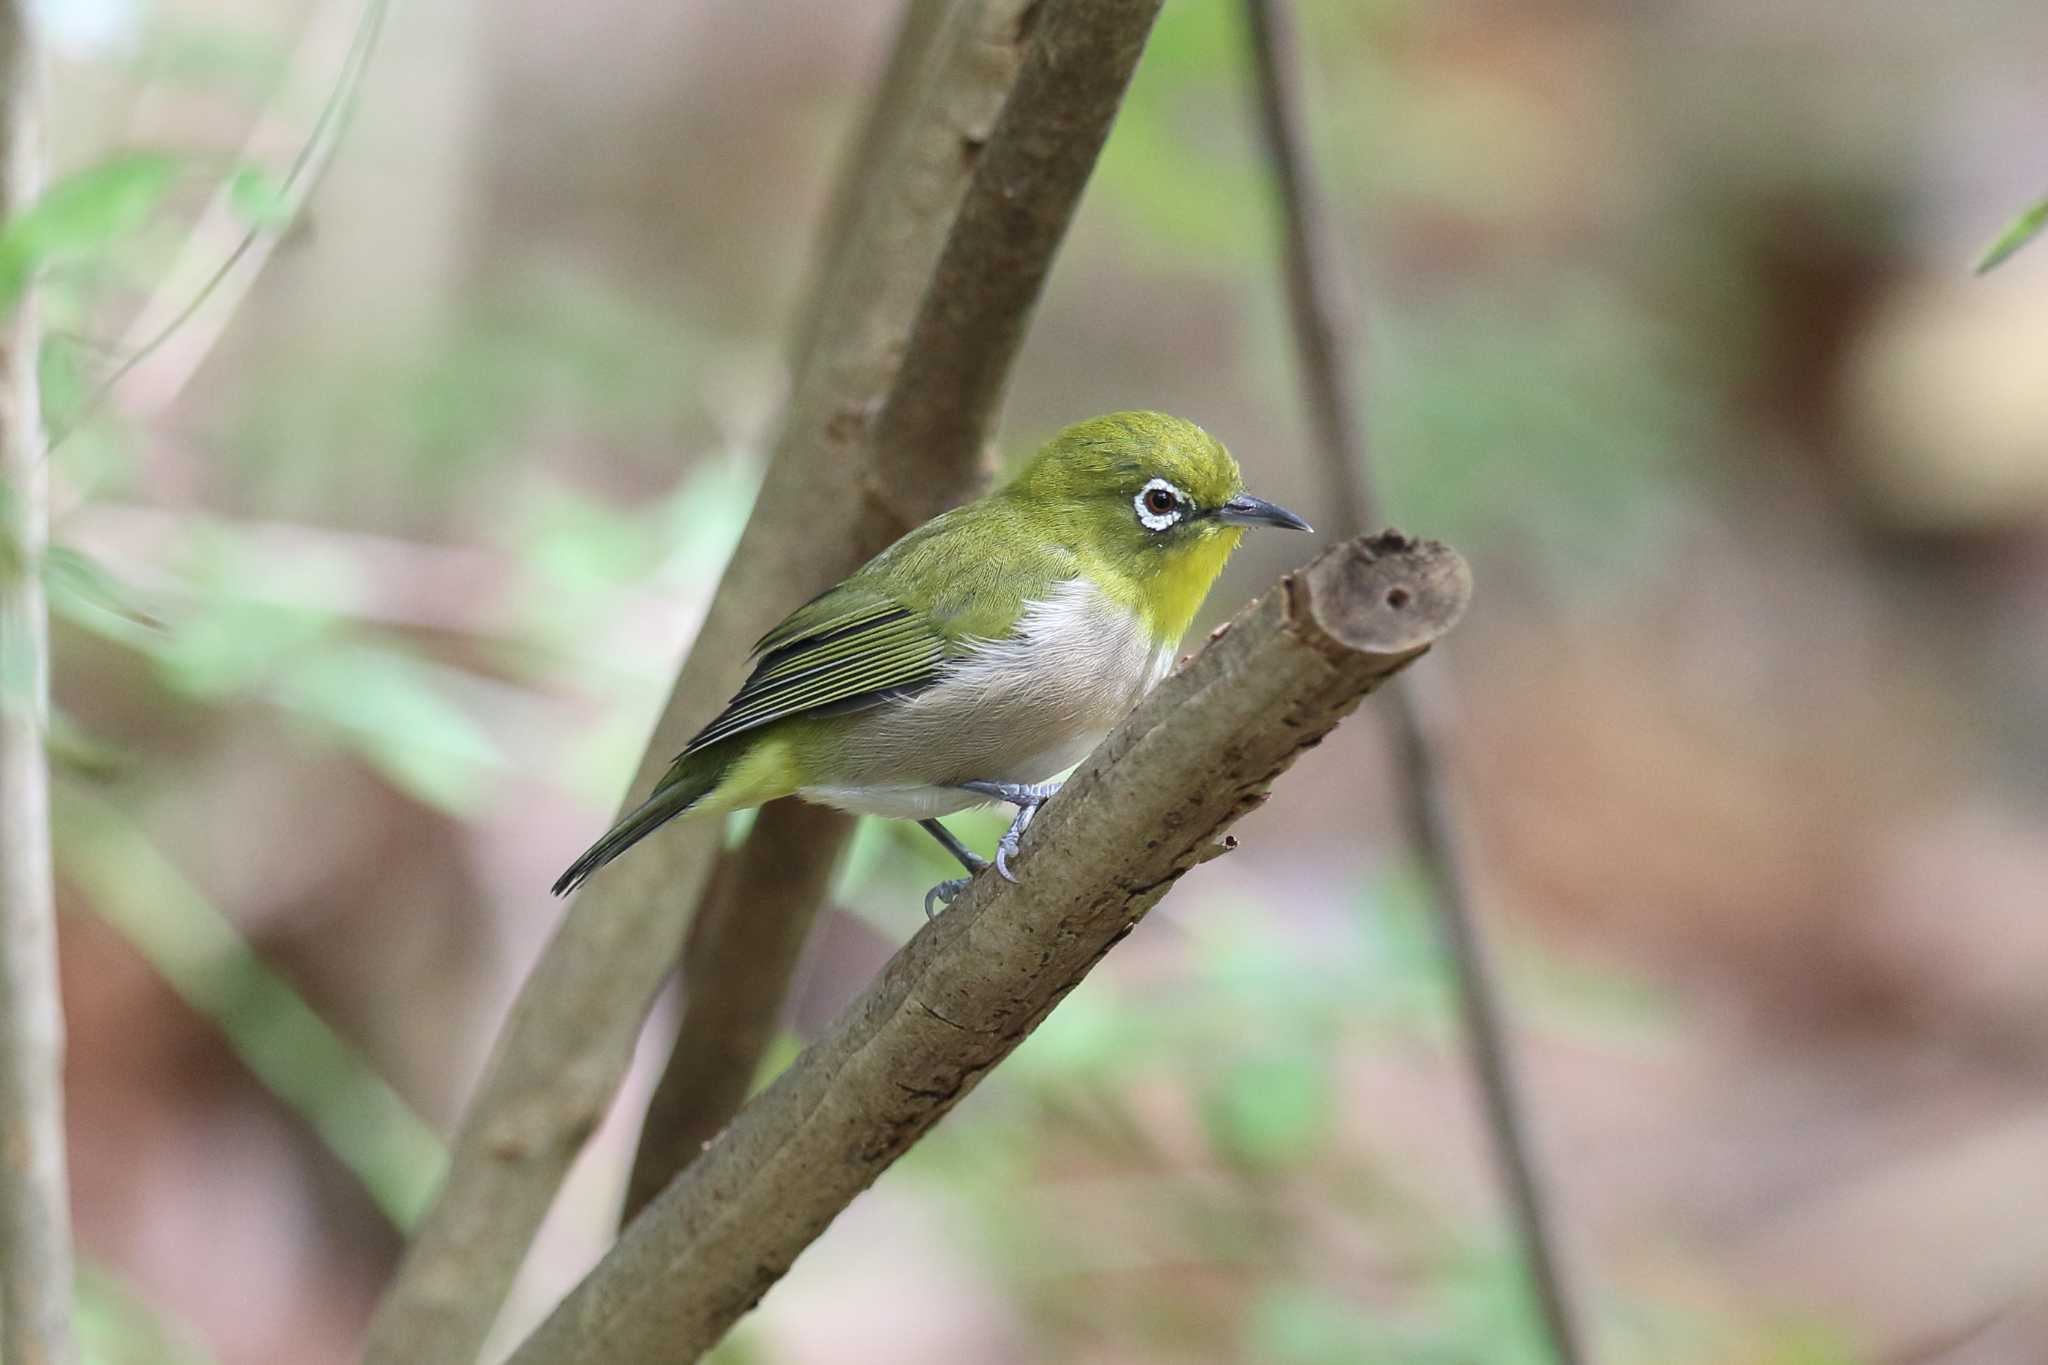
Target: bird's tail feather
(689, 782)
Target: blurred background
(372, 576)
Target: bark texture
(1148, 805)
(744, 944)
(1028, 175)
(827, 504)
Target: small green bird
(984, 652)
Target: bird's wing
(845, 650)
(944, 590)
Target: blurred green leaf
(93, 449)
(1173, 134)
(741, 1346)
(1485, 1307)
(1298, 1325)
(212, 57)
(63, 382)
(582, 543)
(392, 707)
(1403, 968)
(117, 1326)
(2017, 234)
(1082, 1040)
(324, 1078)
(396, 709)
(782, 1050)
(1594, 1001)
(77, 582)
(1553, 413)
(1471, 1311)
(1271, 1110)
(452, 400)
(229, 646)
(258, 199)
(71, 745)
(1809, 1344)
(890, 863)
(82, 214)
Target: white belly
(1020, 709)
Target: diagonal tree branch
(820, 514)
(737, 964)
(741, 954)
(899, 94)
(1027, 184)
(1029, 173)
(35, 1225)
(559, 1057)
(1147, 806)
(1326, 337)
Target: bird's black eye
(1158, 501)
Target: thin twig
(228, 278)
(1029, 173)
(1148, 805)
(364, 576)
(35, 1223)
(558, 1060)
(1326, 337)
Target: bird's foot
(1027, 797)
(943, 894)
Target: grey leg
(945, 891)
(969, 859)
(1027, 797)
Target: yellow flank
(767, 772)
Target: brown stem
(736, 975)
(1147, 806)
(1326, 337)
(744, 943)
(822, 511)
(730, 1001)
(1027, 184)
(1029, 172)
(898, 94)
(35, 1223)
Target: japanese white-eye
(983, 653)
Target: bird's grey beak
(1246, 510)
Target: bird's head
(1153, 503)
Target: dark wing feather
(840, 652)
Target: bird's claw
(1006, 847)
(944, 893)
(1027, 798)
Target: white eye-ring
(1159, 505)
